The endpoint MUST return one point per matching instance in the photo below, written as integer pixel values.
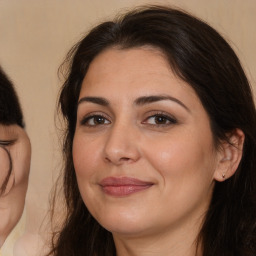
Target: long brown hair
(202, 58)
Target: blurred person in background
(15, 155)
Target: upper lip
(123, 181)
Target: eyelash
(85, 121)
(171, 120)
(165, 117)
(6, 142)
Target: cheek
(4, 165)
(21, 156)
(87, 164)
(4, 170)
(186, 171)
(183, 160)
(85, 156)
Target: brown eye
(95, 120)
(160, 119)
(99, 120)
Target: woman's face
(143, 149)
(13, 139)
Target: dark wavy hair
(10, 113)
(10, 109)
(203, 59)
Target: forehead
(133, 73)
(9, 132)
(128, 63)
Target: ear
(229, 155)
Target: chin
(126, 230)
(124, 223)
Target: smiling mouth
(123, 186)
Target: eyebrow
(96, 100)
(139, 101)
(155, 98)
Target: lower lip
(124, 190)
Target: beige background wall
(36, 34)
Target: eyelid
(86, 117)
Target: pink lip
(123, 186)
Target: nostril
(124, 159)
(119, 160)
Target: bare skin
(143, 169)
(16, 141)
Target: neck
(171, 242)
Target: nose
(122, 145)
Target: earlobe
(229, 155)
